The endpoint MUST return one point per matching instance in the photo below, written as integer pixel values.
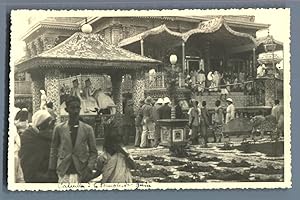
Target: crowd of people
(66, 152)
(199, 120)
(215, 81)
(149, 111)
(49, 152)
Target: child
(115, 162)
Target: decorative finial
(86, 28)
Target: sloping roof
(153, 31)
(234, 21)
(81, 47)
(205, 27)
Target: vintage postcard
(138, 100)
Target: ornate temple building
(119, 52)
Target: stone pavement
(205, 165)
(212, 164)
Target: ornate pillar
(138, 82)
(183, 56)
(52, 89)
(253, 63)
(270, 91)
(142, 47)
(37, 84)
(207, 56)
(116, 80)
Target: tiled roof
(86, 52)
(92, 46)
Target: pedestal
(172, 131)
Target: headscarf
(15, 111)
(39, 117)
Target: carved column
(142, 47)
(116, 80)
(253, 62)
(207, 56)
(37, 84)
(138, 82)
(52, 89)
(270, 91)
(183, 56)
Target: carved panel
(116, 81)
(49, 41)
(53, 89)
(36, 86)
(138, 83)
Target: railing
(23, 88)
(159, 81)
(244, 112)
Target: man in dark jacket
(128, 122)
(204, 123)
(73, 148)
(165, 110)
(156, 107)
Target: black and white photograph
(137, 100)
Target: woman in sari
(115, 162)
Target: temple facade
(226, 44)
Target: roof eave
(56, 25)
(79, 63)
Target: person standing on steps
(230, 110)
(204, 123)
(147, 122)
(218, 119)
(128, 122)
(194, 122)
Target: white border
(283, 13)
